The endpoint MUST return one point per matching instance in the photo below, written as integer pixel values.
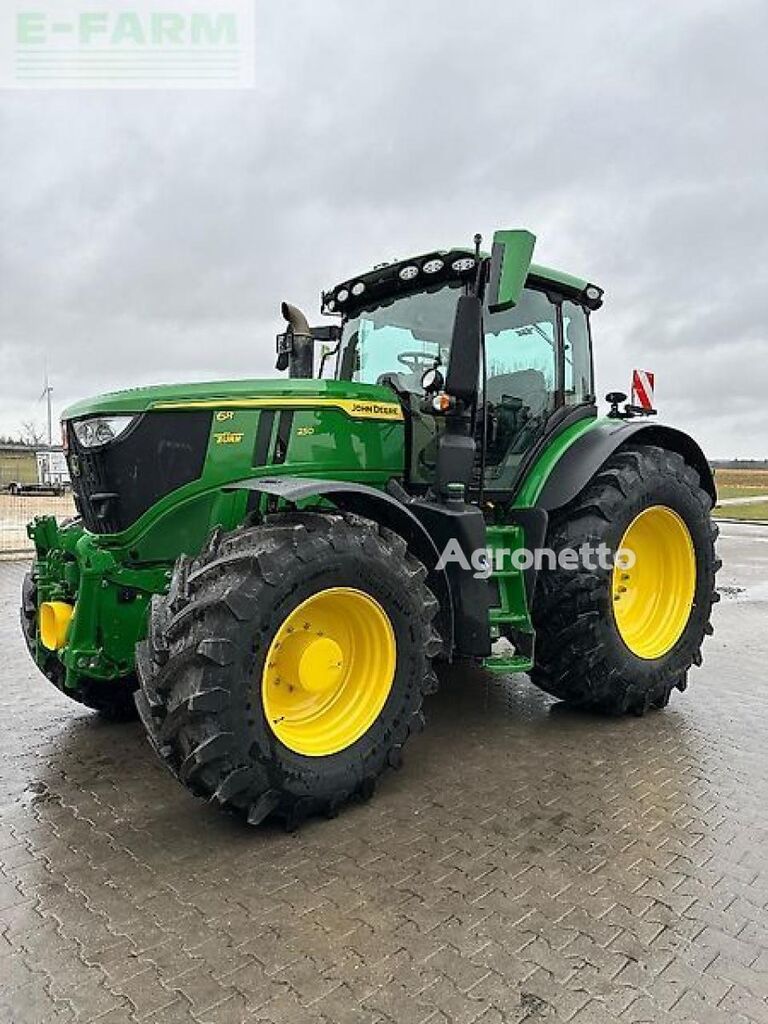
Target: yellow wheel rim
(329, 671)
(652, 599)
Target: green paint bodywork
(143, 399)
(110, 599)
(110, 578)
(540, 471)
(559, 278)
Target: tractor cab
(535, 367)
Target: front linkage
(92, 608)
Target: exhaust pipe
(301, 349)
(296, 319)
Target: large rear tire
(621, 641)
(286, 668)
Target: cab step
(510, 615)
(508, 664)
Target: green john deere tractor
(270, 569)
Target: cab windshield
(396, 341)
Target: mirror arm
(327, 354)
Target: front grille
(116, 484)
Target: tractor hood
(361, 401)
(134, 455)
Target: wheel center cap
(321, 665)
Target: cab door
(523, 372)
(538, 360)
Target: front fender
(592, 449)
(378, 506)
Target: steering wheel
(416, 362)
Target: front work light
(101, 429)
(463, 265)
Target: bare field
(17, 510)
(733, 483)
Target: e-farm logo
(99, 44)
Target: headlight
(101, 429)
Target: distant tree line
(739, 463)
(31, 435)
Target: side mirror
(432, 381)
(284, 351)
(510, 262)
(466, 345)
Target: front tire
(621, 642)
(286, 668)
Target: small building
(18, 465)
(24, 465)
(52, 466)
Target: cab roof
(435, 270)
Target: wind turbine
(46, 393)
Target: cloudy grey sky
(150, 236)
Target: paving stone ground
(529, 863)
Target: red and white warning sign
(642, 388)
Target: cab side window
(577, 355)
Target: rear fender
(589, 453)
